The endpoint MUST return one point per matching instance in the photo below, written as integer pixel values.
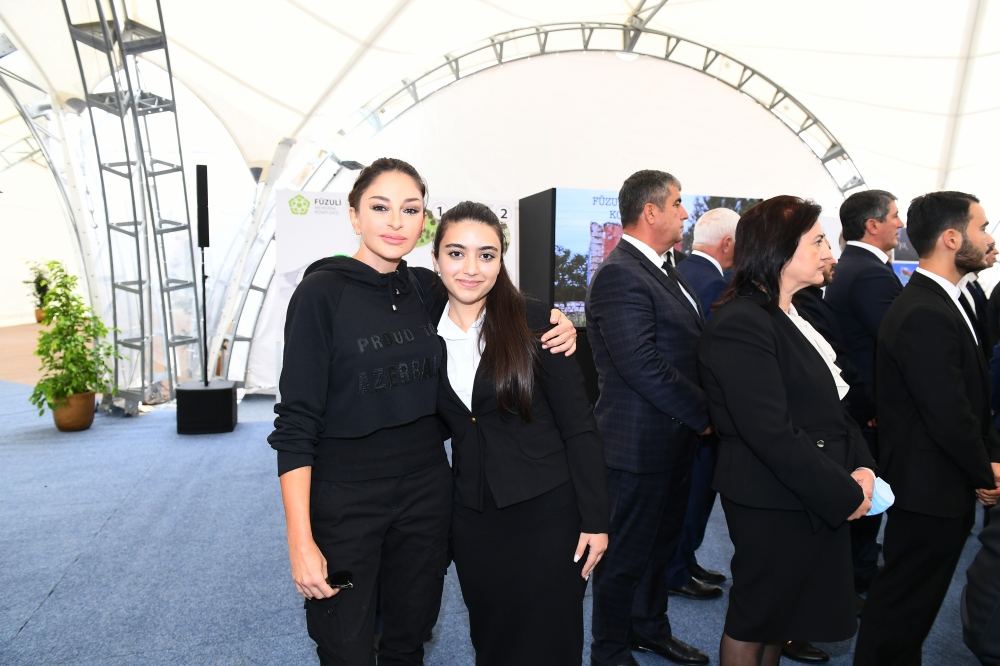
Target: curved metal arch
(555, 38)
(634, 38)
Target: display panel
(587, 229)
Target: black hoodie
(359, 379)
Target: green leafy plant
(39, 283)
(75, 357)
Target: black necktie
(669, 261)
(971, 313)
(967, 307)
(673, 275)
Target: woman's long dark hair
(509, 352)
(766, 238)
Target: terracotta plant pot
(39, 315)
(76, 414)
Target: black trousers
(392, 535)
(701, 498)
(921, 553)
(523, 590)
(630, 590)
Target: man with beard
(936, 439)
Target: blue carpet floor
(130, 544)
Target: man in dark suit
(862, 291)
(643, 324)
(936, 439)
(704, 271)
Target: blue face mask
(882, 497)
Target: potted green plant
(39, 285)
(74, 355)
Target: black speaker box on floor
(202, 410)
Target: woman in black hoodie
(364, 478)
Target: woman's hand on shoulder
(561, 338)
(309, 570)
(594, 545)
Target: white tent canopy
(906, 87)
(909, 87)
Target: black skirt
(523, 590)
(789, 581)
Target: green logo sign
(298, 204)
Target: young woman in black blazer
(530, 515)
(793, 468)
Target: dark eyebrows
(386, 199)
(459, 246)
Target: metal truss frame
(632, 37)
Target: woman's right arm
(308, 564)
(301, 416)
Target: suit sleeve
(626, 316)
(561, 381)
(304, 377)
(947, 416)
(741, 357)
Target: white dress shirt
(657, 261)
(952, 290)
(465, 350)
(823, 347)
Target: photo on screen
(587, 229)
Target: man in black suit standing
(936, 439)
(704, 271)
(643, 324)
(861, 292)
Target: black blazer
(521, 459)
(785, 440)
(644, 335)
(862, 290)
(706, 280)
(936, 438)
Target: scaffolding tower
(154, 294)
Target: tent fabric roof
(907, 86)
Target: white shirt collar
(449, 330)
(710, 258)
(646, 251)
(949, 287)
(883, 257)
(966, 279)
(954, 291)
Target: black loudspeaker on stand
(206, 406)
